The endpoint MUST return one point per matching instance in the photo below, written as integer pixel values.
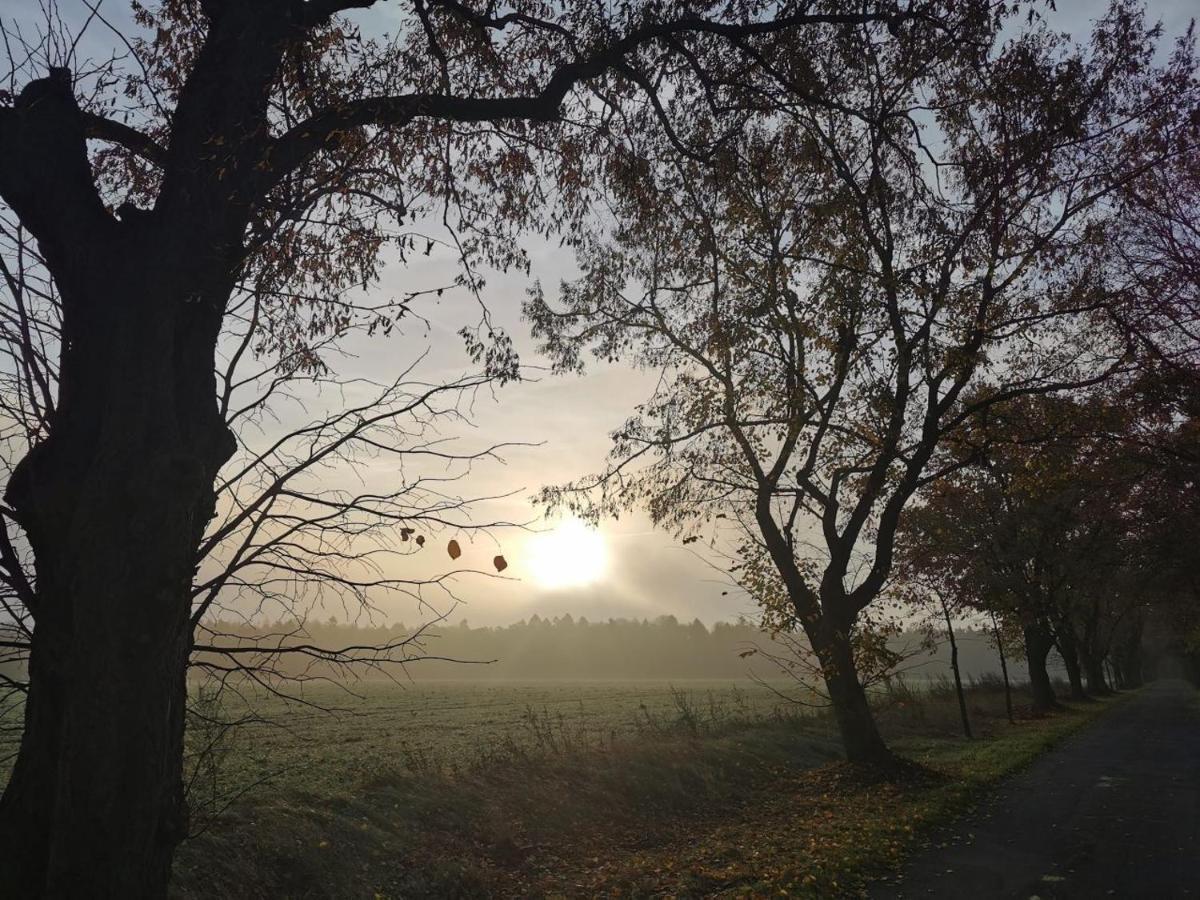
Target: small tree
(922, 592)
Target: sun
(569, 555)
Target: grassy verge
(741, 810)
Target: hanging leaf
(420, 540)
(453, 549)
(500, 563)
(406, 533)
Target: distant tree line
(565, 647)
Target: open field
(358, 731)
(583, 789)
(329, 737)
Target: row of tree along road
(920, 280)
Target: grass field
(332, 737)
(574, 789)
(587, 789)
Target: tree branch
(318, 12)
(294, 147)
(100, 128)
(45, 175)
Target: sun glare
(569, 555)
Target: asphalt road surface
(1114, 811)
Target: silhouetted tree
(850, 284)
(287, 538)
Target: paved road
(1112, 812)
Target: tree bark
(1115, 679)
(114, 503)
(1091, 656)
(1129, 669)
(856, 723)
(1129, 657)
(1037, 647)
(1093, 667)
(1069, 650)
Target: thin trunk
(1037, 648)
(958, 685)
(1131, 671)
(1008, 700)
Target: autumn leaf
(500, 563)
(453, 549)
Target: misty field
(325, 737)
(572, 788)
(588, 788)
(332, 736)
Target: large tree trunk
(114, 504)
(1116, 680)
(96, 796)
(115, 501)
(856, 723)
(1129, 656)
(1068, 649)
(1074, 675)
(1091, 657)
(1037, 648)
(1093, 667)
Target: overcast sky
(570, 418)
(648, 573)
